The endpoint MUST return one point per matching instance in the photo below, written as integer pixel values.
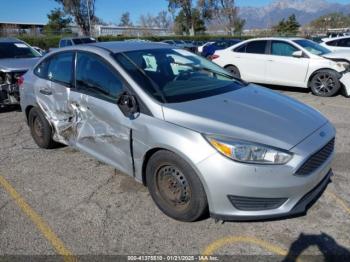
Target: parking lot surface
(65, 202)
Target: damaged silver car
(16, 57)
(198, 138)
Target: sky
(35, 11)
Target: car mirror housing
(128, 104)
(298, 54)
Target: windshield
(78, 41)
(175, 75)
(17, 50)
(312, 47)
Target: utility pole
(88, 8)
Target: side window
(62, 43)
(61, 68)
(332, 43)
(344, 42)
(282, 48)
(42, 69)
(241, 49)
(68, 43)
(256, 47)
(95, 76)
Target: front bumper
(345, 80)
(9, 94)
(223, 178)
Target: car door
(103, 130)
(251, 60)
(283, 68)
(52, 90)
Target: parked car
(200, 48)
(16, 57)
(181, 44)
(337, 43)
(293, 62)
(210, 49)
(39, 50)
(70, 41)
(193, 134)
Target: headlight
(250, 152)
(344, 65)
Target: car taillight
(214, 56)
(20, 81)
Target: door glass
(256, 47)
(96, 77)
(61, 68)
(42, 69)
(344, 42)
(282, 49)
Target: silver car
(198, 138)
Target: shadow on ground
(328, 246)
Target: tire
(175, 187)
(233, 71)
(325, 83)
(40, 129)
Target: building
(113, 30)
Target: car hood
(252, 113)
(17, 64)
(339, 55)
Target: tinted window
(312, 47)
(332, 43)
(62, 43)
(344, 42)
(78, 41)
(282, 48)
(61, 68)
(241, 49)
(42, 69)
(69, 43)
(256, 47)
(17, 50)
(95, 76)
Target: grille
(316, 160)
(255, 204)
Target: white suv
(289, 62)
(337, 43)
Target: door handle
(45, 91)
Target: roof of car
(335, 38)
(278, 38)
(76, 37)
(119, 47)
(9, 40)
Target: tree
(287, 27)
(224, 13)
(163, 20)
(83, 12)
(332, 20)
(57, 21)
(125, 20)
(186, 15)
(197, 24)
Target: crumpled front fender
(345, 80)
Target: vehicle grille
(255, 204)
(316, 160)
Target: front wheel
(325, 83)
(175, 187)
(234, 71)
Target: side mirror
(128, 104)
(298, 54)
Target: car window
(282, 48)
(256, 47)
(344, 42)
(241, 48)
(17, 50)
(42, 69)
(60, 68)
(62, 43)
(332, 43)
(69, 43)
(97, 77)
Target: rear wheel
(41, 130)
(233, 70)
(175, 187)
(325, 83)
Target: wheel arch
(321, 69)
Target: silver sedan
(200, 140)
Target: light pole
(88, 8)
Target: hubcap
(173, 187)
(324, 83)
(38, 128)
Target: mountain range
(305, 11)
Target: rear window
(78, 41)
(17, 50)
(256, 47)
